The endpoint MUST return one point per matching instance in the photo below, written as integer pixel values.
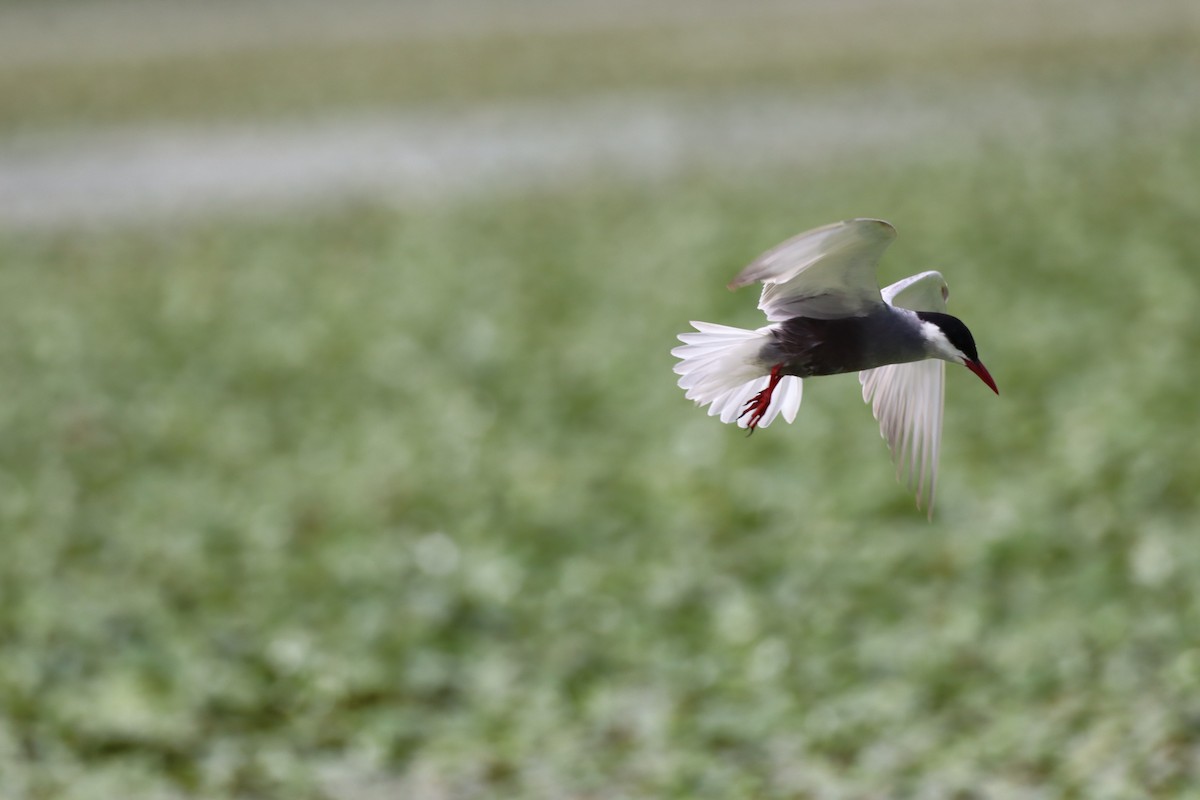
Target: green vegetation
(781, 49)
(406, 501)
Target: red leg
(757, 406)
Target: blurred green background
(386, 490)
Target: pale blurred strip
(49, 31)
(148, 174)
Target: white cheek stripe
(939, 345)
(932, 332)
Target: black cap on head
(954, 329)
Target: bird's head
(947, 338)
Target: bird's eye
(945, 293)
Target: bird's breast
(808, 347)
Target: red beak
(979, 369)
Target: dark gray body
(808, 347)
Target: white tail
(720, 368)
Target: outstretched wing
(926, 291)
(907, 399)
(825, 273)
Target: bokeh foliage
(405, 500)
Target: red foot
(757, 406)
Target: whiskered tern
(828, 316)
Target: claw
(757, 406)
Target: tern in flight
(828, 316)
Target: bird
(827, 316)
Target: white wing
(907, 399)
(825, 273)
(925, 291)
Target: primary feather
(908, 399)
(825, 273)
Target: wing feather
(925, 291)
(908, 399)
(824, 273)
